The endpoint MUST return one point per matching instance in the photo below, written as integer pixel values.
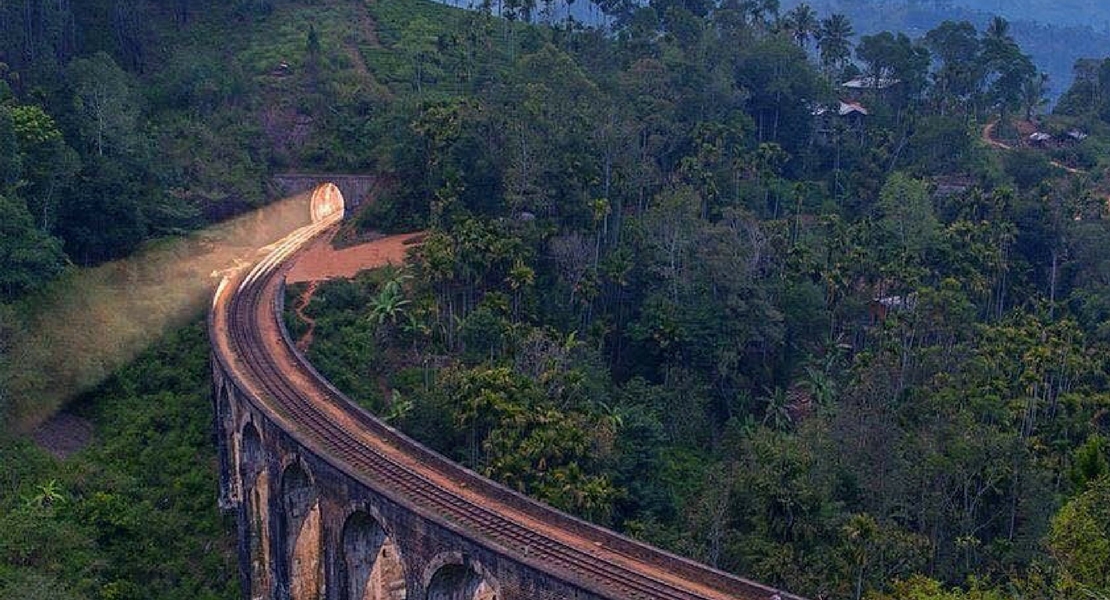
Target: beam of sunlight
(93, 321)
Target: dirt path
(988, 137)
(322, 262)
(369, 31)
(302, 303)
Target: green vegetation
(134, 514)
(852, 355)
(1055, 33)
(673, 284)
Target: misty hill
(1094, 13)
(1055, 34)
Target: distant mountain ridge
(1068, 13)
(1054, 32)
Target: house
(1077, 135)
(849, 113)
(1039, 138)
(882, 306)
(870, 83)
(852, 108)
(856, 87)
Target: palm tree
(999, 29)
(777, 414)
(834, 40)
(47, 495)
(762, 12)
(801, 23)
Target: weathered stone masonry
(309, 530)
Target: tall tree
(834, 40)
(1007, 68)
(1034, 91)
(802, 24)
(28, 257)
(106, 101)
(957, 47)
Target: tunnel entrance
(327, 202)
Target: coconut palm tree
(834, 40)
(762, 13)
(999, 30)
(801, 23)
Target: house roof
(843, 109)
(847, 108)
(870, 83)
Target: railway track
(279, 382)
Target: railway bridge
(332, 504)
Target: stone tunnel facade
(357, 189)
(308, 530)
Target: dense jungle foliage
(133, 515)
(1055, 33)
(679, 280)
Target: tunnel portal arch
(327, 201)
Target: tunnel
(327, 201)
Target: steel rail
(306, 406)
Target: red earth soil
(321, 261)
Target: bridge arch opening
(227, 453)
(256, 497)
(302, 532)
(458, 581)
(327, 202)
(371, 567)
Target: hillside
(1054, 34)
(679, 280)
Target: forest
(817, 308)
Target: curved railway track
(255, 350)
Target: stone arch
(370, 566)
(326, 201)
(252, 457)
(226, 449)
(302, 575)
(255, 482)
(455, 577)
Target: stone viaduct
(332, 504)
